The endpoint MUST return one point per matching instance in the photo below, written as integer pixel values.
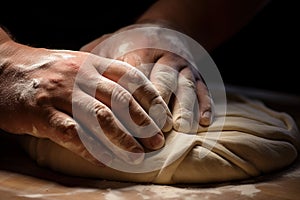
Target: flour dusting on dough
(293, 174)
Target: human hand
(41, 89)
(171, 71)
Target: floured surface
(245, 141)
(21, 178)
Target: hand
(41, 89)
(179, 83)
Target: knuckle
(136, 76)
(107, 122)
(186, 114)
(121, 97)
(42, 99)
(125, 140)
(156, 100)
(103, 113)
(54, 119)
(187, 83)
(143, 121)
(71, 64)
(166, 81)
(133, 58)
(65, 127)
(146, 94)
(179, 60)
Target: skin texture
(40, 87)
(178, 82)
(208, 22)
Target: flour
(26, 90)
(250, 143)
(248, 190)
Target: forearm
(7, 74)
(14, 59)
(3, 36)
(210, 22)
(9, 49)
(17, 56)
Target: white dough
(254, 140)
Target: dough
(254, 140)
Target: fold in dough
(253, 140)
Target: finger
(122, 104)
(205, 104)
(136, 119)
(143, 91)
(132, 115)
(63, 129)
(185, 114)
(164, 75)
(105, 127)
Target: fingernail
(157, 141)
(206, 118)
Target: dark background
(264, 54)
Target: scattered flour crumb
(247, 190)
